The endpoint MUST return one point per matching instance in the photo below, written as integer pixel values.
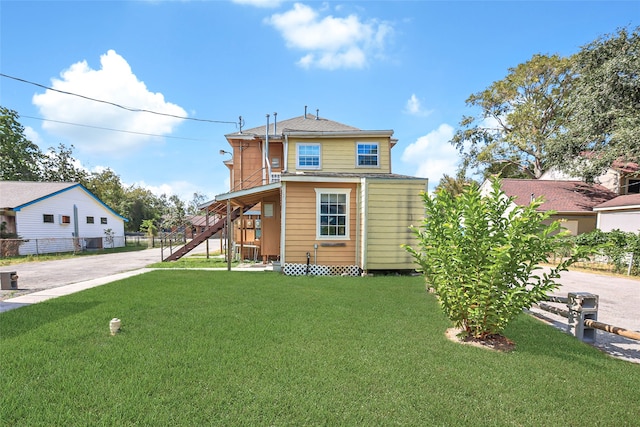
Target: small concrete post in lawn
(582, 306)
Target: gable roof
(560, 196)
(628, 201)
(308, 123)
(17, 194)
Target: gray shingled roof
(307, 124)
(18, 193)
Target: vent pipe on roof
(305, 111)
(275, 123)
(240, 123)
(317, 113)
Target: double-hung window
(367, 154)
(308, 156)
(332, 207)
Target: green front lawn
(229, 348)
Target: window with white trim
(367, 154)
(332, 218)
(307, 156)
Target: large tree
(59, 165)
(519, 117)
(604, 107)
(106, 185)
(20, 158)
(142, 205)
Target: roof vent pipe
(275, 123)
(317, 113)
(305, 111)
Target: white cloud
(183, 189)
(414, 107)
(32, 135)
(433, 155)
(113, 82)
(259, 3)
(330, 42)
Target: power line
(113, 130)
(137, 110)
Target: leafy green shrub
(614, 246)
(479, 255)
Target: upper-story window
(368, 154)
(308, 156)
(633, 186)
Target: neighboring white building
(621, 213)
(58, 217)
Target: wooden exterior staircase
(213, 229)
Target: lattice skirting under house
(321, 270)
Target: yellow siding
(391, 207)
(300, 227)
(339, 155)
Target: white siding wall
(624, 221)
(30, 223)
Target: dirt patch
(492, 342)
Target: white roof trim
(338, 133)
(617, 208)
(247, 192)
(312, 178)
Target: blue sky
(402, 65)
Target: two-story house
(326, 195)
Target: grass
(220, 348)
(58, 256)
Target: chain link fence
(41, 246)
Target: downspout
(266, 157)
(76, 229)
(283, 206)
(363, 252)
(286, 153)
(229, 230)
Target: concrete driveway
(39, 276)
(618, 305)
